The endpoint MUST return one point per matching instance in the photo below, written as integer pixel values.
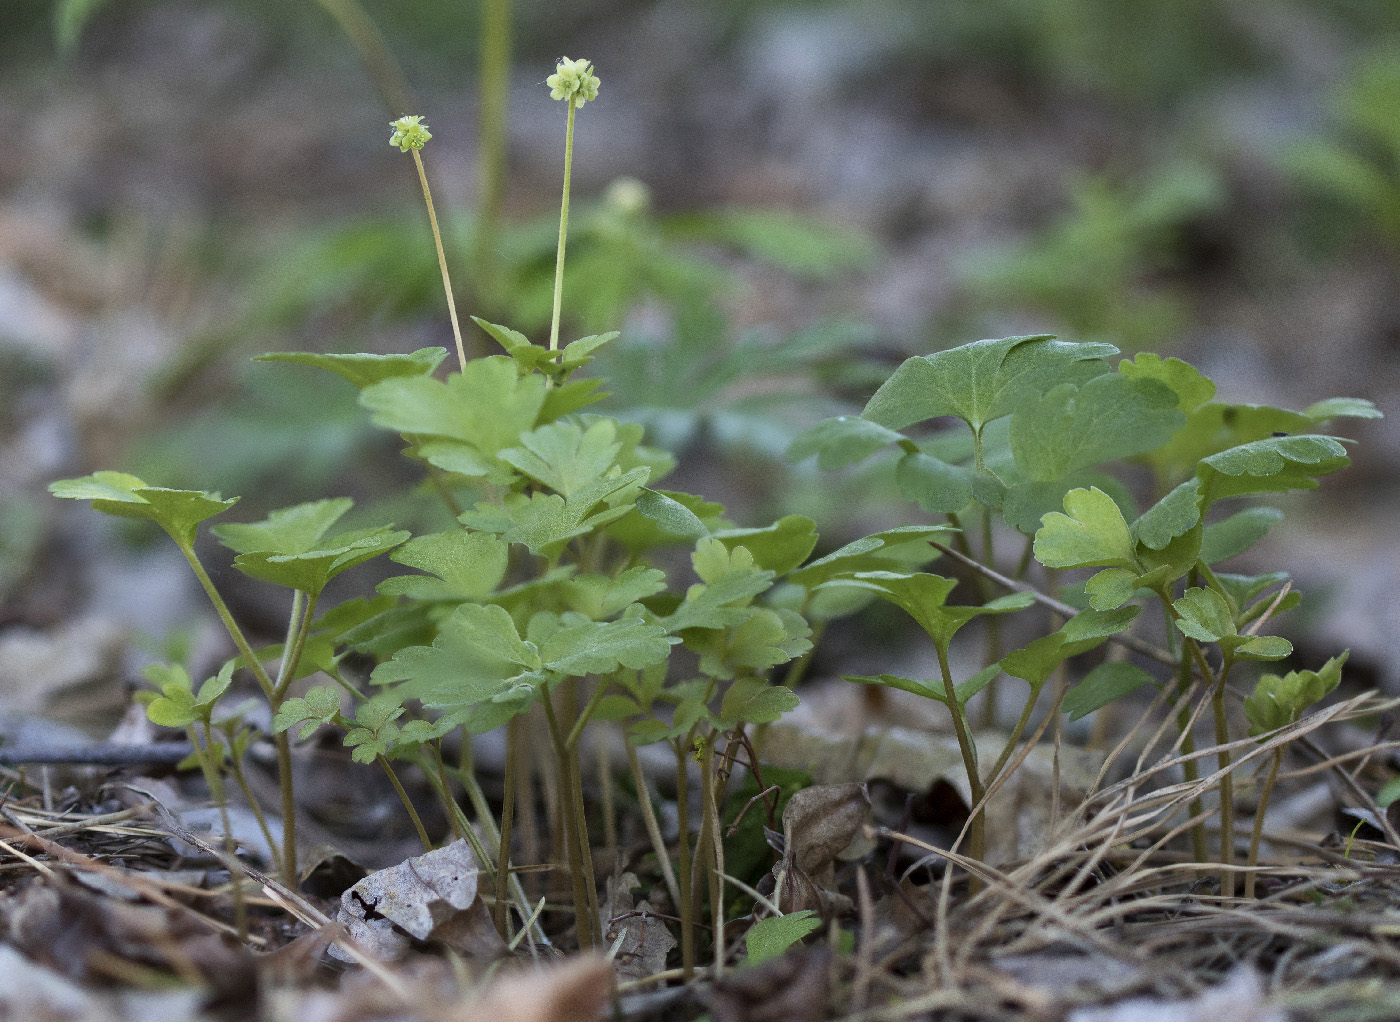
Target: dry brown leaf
(813, 738)
(645, 939)
(433, 896)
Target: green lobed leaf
(1091, 533)
(1191, 388)
(1271, 465)
(364, 369)
(601, 647)
(1025, 505)
(1234, 535)
(1071, 427)
(178, 512)
(779, 547)
(1204, 615)
(1342, 407)
(1214, 427)
(465, 566)
(840, 442)
(762, 639)
(981, 381)
(1279, 701)
(755, 701)
(922, 596)
(291, 530)
(599, 596)
(545, 522)
(883, 550)
(311, 570)
(320, 705)
(487, 405)
(936, 486)
(1105, 683)
(1081, 633)
(564, 456)
(1174, 515)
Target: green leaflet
(841, 441)
(1071, 427)
(363, 369)
(779, 547)
(1185, 380)
(288, 547)
(545, 522)
(1104, 684)
(761, 639)
(755, 701)
(1204, 615)
(599, 596)
(464, 566)
(922, 596)
(879, 551)
(963, 691)
(178, 512)
(769, 938)
(1090, 534)
(564, 456)
(1081, 633)
(1279, 701)
(981, 381)
(486, 407)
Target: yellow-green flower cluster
(573, 80)
(409, 133)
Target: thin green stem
(230, 625)
(1257, 834)
(576, 732)
(683, 858)
(586, 932)
(658, 845)
(1227, 784)
(1021, 723)
(442, 259)
(291, 652)
(507, 825)
(563, 227)
(1188, 748)
(407, 802)
(214, 779)
(977, 834)
(236, 766)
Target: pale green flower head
(573, 79)
(409, 133)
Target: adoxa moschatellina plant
(1043, 419)
(541, 600)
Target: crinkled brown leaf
(429, 897)
(645, 939)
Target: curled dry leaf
(433, 896)
(816, 738)
(818, 823)
(645, 939)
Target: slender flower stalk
(410, 135)
(573, 80)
